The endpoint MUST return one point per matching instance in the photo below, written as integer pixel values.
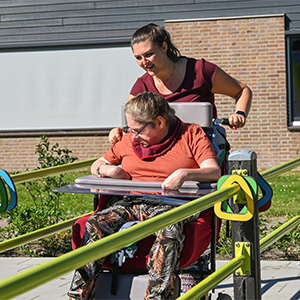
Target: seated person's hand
(174, 181)
(113, 171)
(170, 192)
(102, 167)
(115, 135)
(209, 171)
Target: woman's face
(150, 57)
(146, 134)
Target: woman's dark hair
(158, 36)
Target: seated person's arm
(209, 171)
(116, 133)
(104, 168)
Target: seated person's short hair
(145, 107)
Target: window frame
(292, 123)
(135, 72)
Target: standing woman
(182, 79)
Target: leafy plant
(50, 247)
(224, 245)
(44, 207)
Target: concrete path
(280, 280)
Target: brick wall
(17, 154)
(253, 51)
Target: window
(294, 80)
(65, 88)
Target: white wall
(65, 89)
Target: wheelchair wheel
(222, 296)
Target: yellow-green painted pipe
(222, 273)
(280, 169)
(27, 280)
(278, 233)
(214, 279)
(77, 256)
(41, 173)
(37, 234)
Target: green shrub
(44, 206)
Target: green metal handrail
(37, 234)
(278, 233)
(27, 280)
(47, 231)
(41, 173)
(285, 167)
(222, 273)
(214, 279)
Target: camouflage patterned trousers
(163, 259)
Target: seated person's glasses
(128, 129)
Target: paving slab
(280, 280)
(52, 290)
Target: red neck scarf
(158, 149)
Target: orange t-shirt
(190, 150)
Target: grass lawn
(285, 204)
(71, 204)
(286, 195)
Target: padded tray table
(91, 184)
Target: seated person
(158, 146)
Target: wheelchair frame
(200, 113)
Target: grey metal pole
(246, 287)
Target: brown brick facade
(251, 50)
(17, 154)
